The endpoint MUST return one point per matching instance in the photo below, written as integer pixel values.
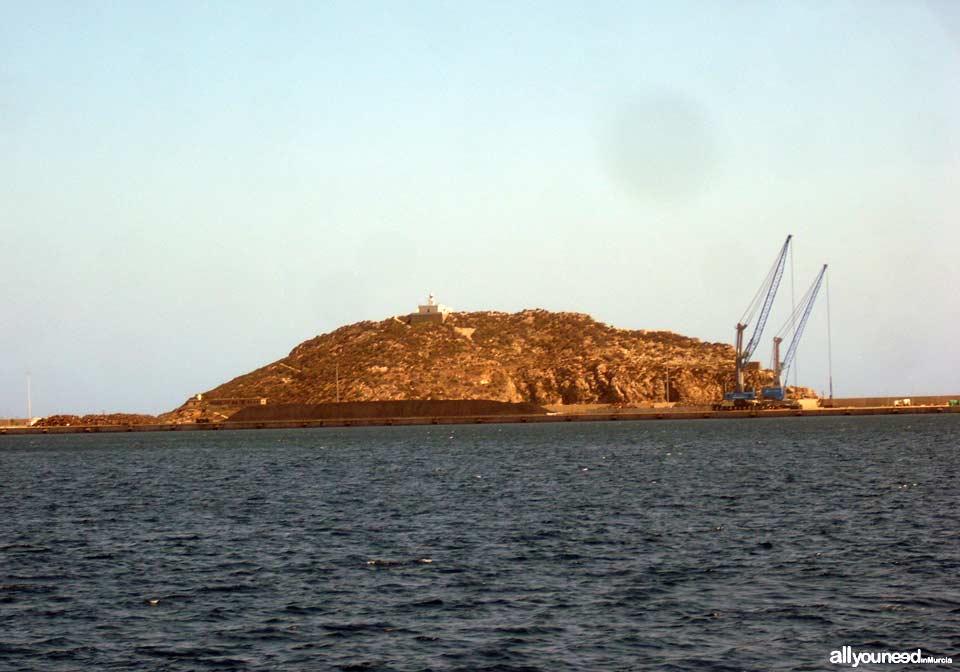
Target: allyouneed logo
(847, 656)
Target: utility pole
(29, 400)
(668, 386)
(338, 381)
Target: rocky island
(534, 356)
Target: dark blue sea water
(702, 545)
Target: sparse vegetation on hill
(532, 356)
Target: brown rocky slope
(531, 356)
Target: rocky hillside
(532, 356)
(96, 420)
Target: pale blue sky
(188, 190)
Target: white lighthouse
(431, 311)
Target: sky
(190, 189)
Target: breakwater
(406, 408)
(624, 416)
(872, 402)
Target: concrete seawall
(651, 416)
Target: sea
(752, 544)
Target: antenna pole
(793, 325)
(829, 341)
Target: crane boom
(782, 368)
(792, 350)
(769, 291)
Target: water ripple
(678, 546)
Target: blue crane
(780, 369)
(762, 301)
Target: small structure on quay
(226, 401)
(429, 312)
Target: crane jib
(768, 289)
(792, 350)
(767, 303)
